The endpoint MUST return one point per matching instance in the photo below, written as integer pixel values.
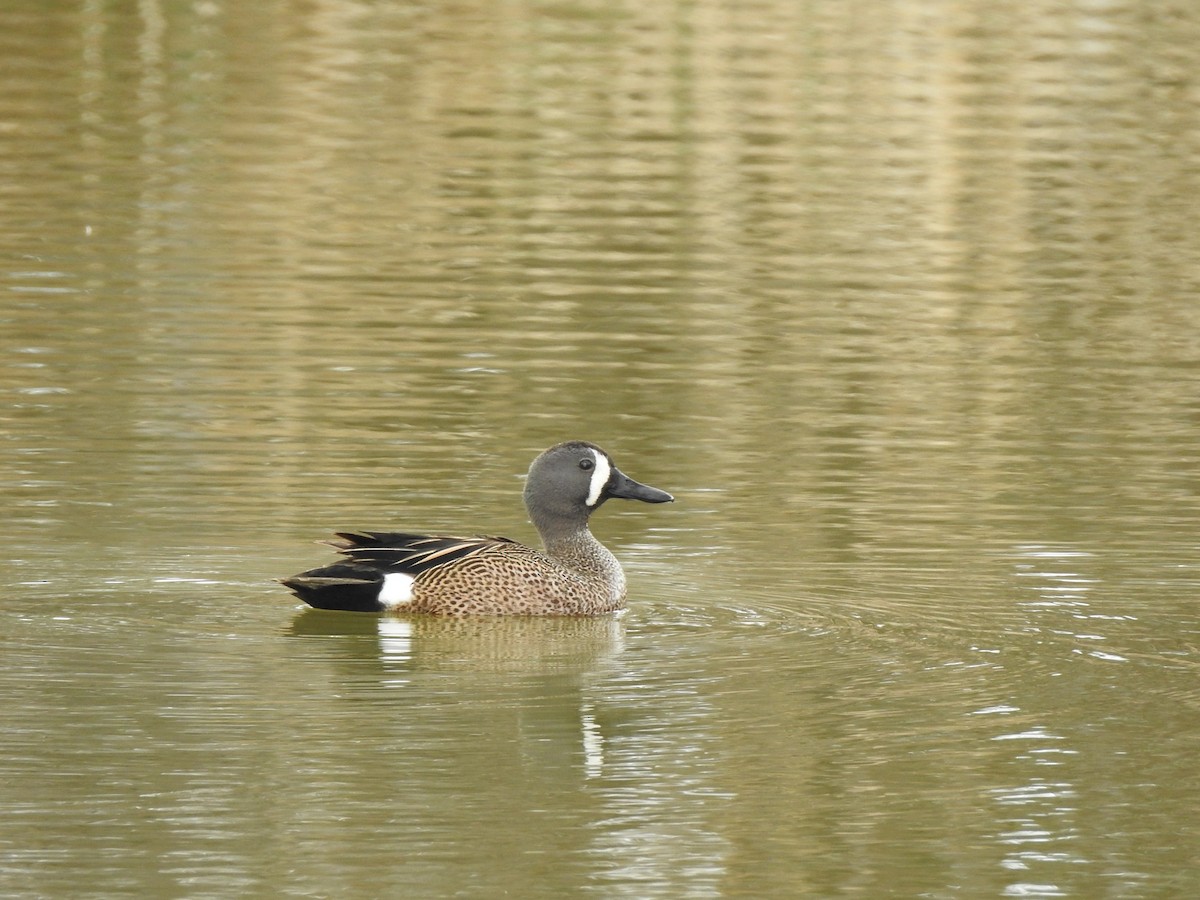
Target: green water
(901, 302)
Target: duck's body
(575, 575)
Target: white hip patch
(600, 478)
(396, 590)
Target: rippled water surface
(901, 301)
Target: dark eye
(586, 464)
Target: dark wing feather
(411, 553)
(344, 586)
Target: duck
(573, 575)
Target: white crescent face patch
(600, 476)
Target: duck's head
(570, 480)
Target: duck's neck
(578, 549)
(574, 545)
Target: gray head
(570, 480)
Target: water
(900, 302)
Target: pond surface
(901, 301)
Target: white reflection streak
(395, 639)
(1038, 834)
(1036, 734)
(1063, 588)
(593, 742)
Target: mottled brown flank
(513, 579)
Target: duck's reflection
(518, 644)
(504, 724)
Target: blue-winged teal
(576, 575)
